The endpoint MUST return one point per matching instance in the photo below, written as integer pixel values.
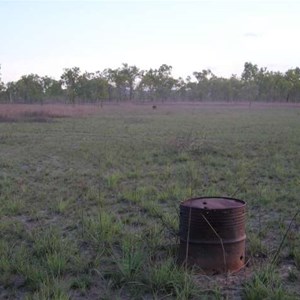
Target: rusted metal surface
(212, 234)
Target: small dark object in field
(154, 107)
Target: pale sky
(43, 37)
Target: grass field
(89, 199)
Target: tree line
(129, 83)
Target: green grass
(265, 284)
(89, 206)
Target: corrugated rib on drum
(227, 218)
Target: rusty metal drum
(212, 234)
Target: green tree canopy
(128, 82)
(70, 79)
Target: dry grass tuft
(43, 113)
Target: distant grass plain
(89, 198)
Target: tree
(11, 91)
(181, 89)
(204, 84)
(191, 89)
(92, 87)
(118, 82)
(158, 83)
(250, 72)
(293, 79)
(70, 78)
(84, 90)
(1, 83)
(249, 80)
(2, 86)
(148, 83)
(52, 88)
(130, 74)
(280, 86)
(29, 89)
(166, 82)
(129, 83)
(100, 87)
(204, 76)
(234, 88)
